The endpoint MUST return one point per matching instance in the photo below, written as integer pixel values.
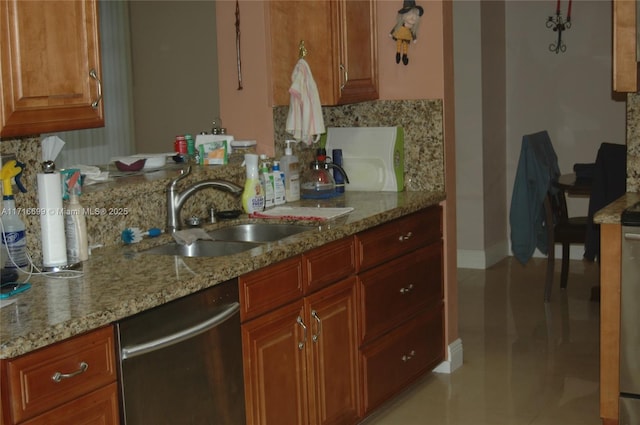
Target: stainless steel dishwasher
(181, 363)
(630, 318)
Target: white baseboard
(454, 358)
(483, 259)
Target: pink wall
(247, 113)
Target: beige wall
(175, 70)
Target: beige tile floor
(524, 363)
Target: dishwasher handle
(160, 343)
(632, 236)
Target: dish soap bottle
(266, 178)
(278, 184)
(14, 236)
(291, 170)
(253, 195)
(76, 224)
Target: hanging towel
(305, 113)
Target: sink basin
(257, 232)
(202, 248)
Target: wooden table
(573, 186)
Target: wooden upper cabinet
(48, 53)
(341, 42)
(625, 60)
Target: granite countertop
(118, 282)
(611, 213)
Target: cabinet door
(358, 65)
(48, 50)
(340, 38)
(333, 381)
(309, 21)
(275, 371)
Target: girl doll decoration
(406, 29)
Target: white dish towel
(305, 121)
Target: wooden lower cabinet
(71, 382)
(300, 361)
(392, 362)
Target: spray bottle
(75, 223)
(14, 237)
(253, 194)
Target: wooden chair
(565, 230)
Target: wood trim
(610, 278)
(625, 62)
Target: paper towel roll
(54, 247)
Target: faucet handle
(183, 173)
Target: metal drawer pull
(58, 376)
(405, 237)
(406, 289)
(314, 314)
(93, 74)
(346, 76)
(304, 335)
(407, 357)
(632, 236)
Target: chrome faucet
(175, 199)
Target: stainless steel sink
(202, 248)
(257, 232)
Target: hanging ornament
(406, 29)
(559, 24)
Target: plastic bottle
(279, 190)
(14, 239)
(266, 178)
(253, 196)
(14, 235)
(291, 170)
(76, 230)
(336, 156)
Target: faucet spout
(176, 199)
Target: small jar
(239, 148)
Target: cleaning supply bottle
(75, 224)
(14, 237)
(291, 170)
(253, 195)
(266, 178)
(278, 184)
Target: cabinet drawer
(32, 386)
(98, 407)
(398, 289)
(392, 362)
(329, 263)
(270, 287)
(398, 237)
